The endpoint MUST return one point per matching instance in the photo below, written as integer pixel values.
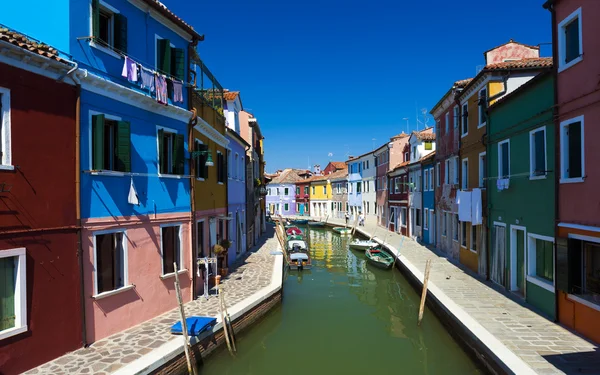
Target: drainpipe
(192, 167)
(549, 5)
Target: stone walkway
(546, 347)
(105, 356)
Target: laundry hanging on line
(130, 70)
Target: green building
(521, 192)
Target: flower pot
(224, 271)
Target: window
(286, 191)
(200, 239)
(428, 145)
(570, 45)
(447, 122)
(200, 161)
(482, 170)
(445, 224)
(455, 225)
(455, 171)
(431, 177)
(221, 167)
(111, 264)
(537, 152)
(297, 207)
(504, 159)
(392, 218)
(474, 238)
(391, 185)
(418, 217)
(406, 156)
(109, 27)
(236, 166)
(482, 104)
(397, 185)
(367, 164)
(306, 190)
(286, 207)
(540, 265)
(170, 60)
(465, 174)
(368, 210)
(426, 173)
(313, 190)
(414, 152)
(277, 191)
(13, 292)
(5, 139)
(277, 208)
(572, 150)
(297, 190)
(325, 190)
(111, 145)
(171, 248)
(591, 267)
(403, 216)
(465, 120)
(358, 186)
(455, 109)
(463, 233)
(170, 152)
(447, 172)
(426, 219)
(269, 193)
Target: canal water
(343, 317)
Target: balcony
(207, 96)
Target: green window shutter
(161, 134)
(123, 150)
(178, 63)
(163, 55)
(96, 18)
(7, 293)
(179, 152)
(98, 142)
(572, 40)
(120, 32)
(574, 156)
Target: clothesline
(136, 174)
(525, 174)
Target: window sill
(220, 183)
(473, 251)
(541, 283)
(463, 246)
(176, 176)
(172, 274)
(566, 66)
(109, 173)
(464, 135)
(113, 292)
(583, 301)
(481, 125)
(571, 180)
(7, 167)
(108, 51)
(541, 177)
(199, 179)
(12, 332)
(453, 240)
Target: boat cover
(300, 243)
(299, 256)
(195, 325)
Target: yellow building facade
(320, 196)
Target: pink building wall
(151, 295)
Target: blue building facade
(134, 185)
(428, 196)
(354, 187)
(236, 194)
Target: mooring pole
(424, 292)
(186, 343)
(225, 330)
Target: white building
(367, 188)
(422, 143)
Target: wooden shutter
(7, 293)
(178, 154)
(98, 142)
(163, 57)
(161, 134)
(96, 18)
(178, 63)
(123, 145)
(120, 32)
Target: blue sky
(328, 76)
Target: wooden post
(227, 321)
(186, 344)
(355, 224)
(424, 292)
(223, 322)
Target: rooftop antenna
(425, 118)
(406, 118)
(347, 152)
(330, 155)
(417, 114)
(373, 143)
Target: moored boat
(298, 255)
(318, 224)
(362, 244)
(291, 231)
(300, 221)
(342, 230)
(379, 258)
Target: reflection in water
(343, 316)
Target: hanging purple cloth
(161, 89)
(177, 92)
(147, 79)
(130, 70)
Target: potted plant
(257, 182)
(221, 249)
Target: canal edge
(169, 358)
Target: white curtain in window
(498, 255)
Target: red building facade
(41, 315)
(303, 194)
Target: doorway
(517, 259)
(498, 254)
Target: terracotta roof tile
(339, 164)
(527, 63)
(162, 8)
(288, 176)
(28, 44)
(338, 175)
(462, 82)
(231, 95)
(425, 134)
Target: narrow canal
(343, 316)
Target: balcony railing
(208, 96)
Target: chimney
(317, 169)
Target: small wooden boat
(379, 258)
(292, 231)
(295, 237)
(300, 221)
(342, 230)
(362, 244)
(298, 255)
(317, 224)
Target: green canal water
(346, 317)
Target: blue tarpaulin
(195, 325)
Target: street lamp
(209, 160)
(262, 190)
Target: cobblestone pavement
(546, 347)
(105, 356)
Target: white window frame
(456, 114)
(403, 214)
(20, 292)
(5, 138)
(531, 262)
(108, 50)
(181, 251)
(126, 286)
(562, 41)
(158, 161)
(447, 120)
(564, 150)
(464, 119)
(500, 158)
(426, 219)
(464, 177)
(479, 123)
(481, 169)
(532, 154)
